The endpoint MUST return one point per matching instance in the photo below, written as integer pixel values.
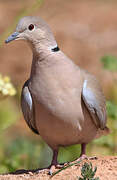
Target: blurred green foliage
(8, 114)
(20, 153)
(112, 111)
(109, 63)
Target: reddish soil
(106, 170)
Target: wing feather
(94, 100)
(28, 108)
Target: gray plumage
(60, 101)
(28, 107)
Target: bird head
(34, 30)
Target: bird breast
(60, 93)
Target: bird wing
(94, 100)
(28, 107)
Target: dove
(60, 101)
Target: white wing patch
(89, 95)
(28, 97)
(93, 104)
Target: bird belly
(58, 131)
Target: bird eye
(31, 27)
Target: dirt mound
(106, 170)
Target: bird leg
(54, 158)
(54, 162)
(83, 154)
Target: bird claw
(45, 171)
(54, 167)
(93, 158)
(83, 156)
(50, 172)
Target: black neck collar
(55, 49)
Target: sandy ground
(106, 170)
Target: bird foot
(49, 170)
(44, 171)
(52, 168)
(83, 156)
(93, 158)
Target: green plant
(87, 172)
(20, 153)
(7, 114)
(109, 63)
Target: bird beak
(12, 37)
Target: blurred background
(86, 30)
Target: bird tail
(103, 132)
